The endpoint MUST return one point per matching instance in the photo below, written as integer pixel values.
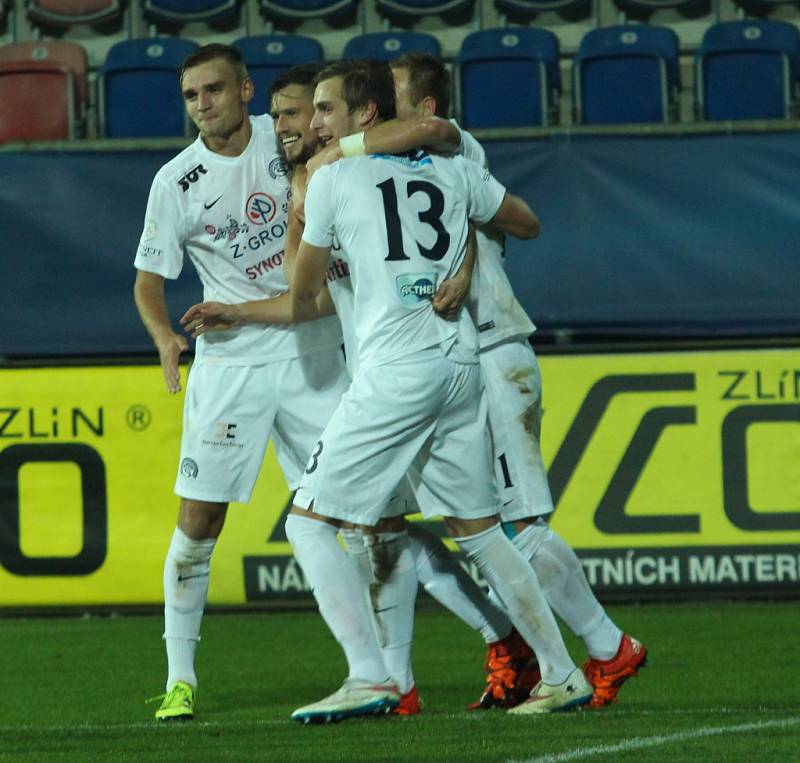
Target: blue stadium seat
(417, 8)
(626, 74)
(66, 13)
(508, 77)
(386, 46)
(138, 91)
(298, 10)
(747, 70)
(269, 55)
(649, 6)
(183, 11)
(531, 8)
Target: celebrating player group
(357, 215)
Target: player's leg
(393, 594)
(507, 654)
(311, 388)
(513, 382)
(225, 431)
(186, 571)
(354, 469)
(614, 656)
(456, 464)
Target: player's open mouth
(325, 139)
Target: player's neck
(232, 144)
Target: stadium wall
(687, 236)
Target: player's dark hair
(212, 52)
(304, 75)
(364, 80)
(427, 77)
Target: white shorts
(514, 394)
(425, 416)
(231, 411)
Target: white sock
(564, 583)
(446, 580)
(394, 593)
(516, 585)
(338, 593)
(186, 570)
(357, 553)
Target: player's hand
(450, 296)
(327, 155)
(208, 316)
(169, 351)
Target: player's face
(215, 100)
(332, 118)
(405, 108)
(293, 110)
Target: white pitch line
(640, 743)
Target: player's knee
(201, 520)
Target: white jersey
(401, 222)
(491, 300)
(229, 214)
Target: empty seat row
(507, 77)
(64, 13)
(628, 74)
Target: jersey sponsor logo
(211, 204)
(224, 436)
(278, 167)
(260, 208)
(416, 287)
(149, 251)
(192, 176)
(413, 159)
(338, 270)
(229, 231)
(189, 468)
(265, 266)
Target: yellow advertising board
(669, 472)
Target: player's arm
(148, 293)
(218, 316)
(392, 137)
(451, 293)
(516, 218)
(309, 273)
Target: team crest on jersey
(189, 468)
(260, 208)
(229, 231)
(416, 287)
(278, 168)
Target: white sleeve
(469, 148)
(161, 244)
(319, 209)
(486, 193)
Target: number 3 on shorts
(312, 467)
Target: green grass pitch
(721, 685)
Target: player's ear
(367, 114)
(248, 90)
(428, 106)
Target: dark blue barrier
(691, 236)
